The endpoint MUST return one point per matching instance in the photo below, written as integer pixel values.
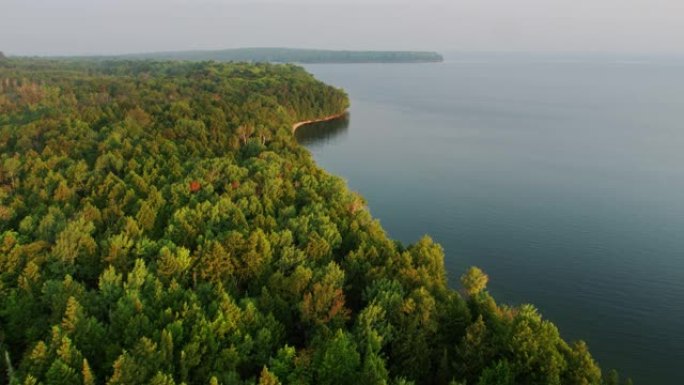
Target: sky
(75, 27)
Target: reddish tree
(195, 186)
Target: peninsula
(159, 224)
(293, 55)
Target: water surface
(563, 179)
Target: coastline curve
(296, 125)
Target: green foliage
(499, 373)
(474, 281)
(159, 224)
(337, 361)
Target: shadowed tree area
(159, 224)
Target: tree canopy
(160, 225)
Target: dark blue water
(562, 179)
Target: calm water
(563, 179)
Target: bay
(562, 177)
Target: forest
(159, 224)
(294, 55)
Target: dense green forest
(294, 55)
(160, 225)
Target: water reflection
(322, 133)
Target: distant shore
(324, 119)
(292, 55)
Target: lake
(561, 177)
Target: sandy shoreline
(324, 119)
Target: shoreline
(323, 119)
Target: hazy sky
(120, 26)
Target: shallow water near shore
(562, 179)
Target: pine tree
(268, 378)
(87, 374)
(474, 281)
(60, 373)
(337, 361)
